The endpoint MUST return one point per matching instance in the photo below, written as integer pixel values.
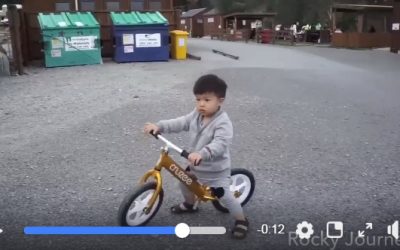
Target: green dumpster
(70, 39)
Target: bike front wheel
(242, 186)
(131, 211)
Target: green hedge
(10, 2)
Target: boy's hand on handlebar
(150, 128)
(195, 158)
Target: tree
(227, 6)
(290, 11)
(303, 11)
(10, 2)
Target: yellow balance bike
(142, 203)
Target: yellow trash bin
(179, 44)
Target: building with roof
(371, 28)
(213, 22)
(243, 20)
(192, 22)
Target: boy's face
(208, 103)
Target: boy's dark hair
(210, 84)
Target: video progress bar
(182, 230)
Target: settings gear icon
(304, 230)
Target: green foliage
(289, 11)
(10, 2)
(227, 6)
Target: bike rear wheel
(242, 186)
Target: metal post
(24, 38)
(384, 24)
(15, 25)
(360, 22)
(395, 43)
(191, 27)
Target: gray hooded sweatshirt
(211, 141)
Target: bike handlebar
(182, 152)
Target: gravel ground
(319, 128)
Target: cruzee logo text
(181, 174)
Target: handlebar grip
(155, 135)
(185, 154)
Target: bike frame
(203, 192)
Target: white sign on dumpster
(77, 43)
(396, 26)
(55, 53)
(181, 42)
(57, 43)
(127, 39)
(148, 40)
(128, 49)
